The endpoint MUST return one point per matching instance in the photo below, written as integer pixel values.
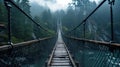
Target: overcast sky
(56, 4)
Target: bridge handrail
(51, 56)
(26, 43)
(73, 63)
(108, 44)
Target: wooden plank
(60, 64)
(51, 56)
(74, 65)
(60, 61)
(60, 55)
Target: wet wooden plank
(60, 55)
(60, 66)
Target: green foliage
(46, 20)
(16, 40)
(65, 28)
(22, 27)
(98, 26)
(3, 13)
(3, 37)
(3, 20)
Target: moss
(16, 40)
(65, 28)
(4, 37)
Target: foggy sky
(55, 5)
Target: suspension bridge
(61, 49)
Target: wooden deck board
(60, 55)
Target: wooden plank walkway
(60, 56)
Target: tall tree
(21, 25)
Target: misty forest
(39, 19)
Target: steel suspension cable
(84, 21)
(26, 15)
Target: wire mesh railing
(91, 53)
(27, 42)
(23, 55)
(94, 42)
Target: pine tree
(21, 25)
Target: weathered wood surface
(109, 44)
(27, 43)
(60, 56)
